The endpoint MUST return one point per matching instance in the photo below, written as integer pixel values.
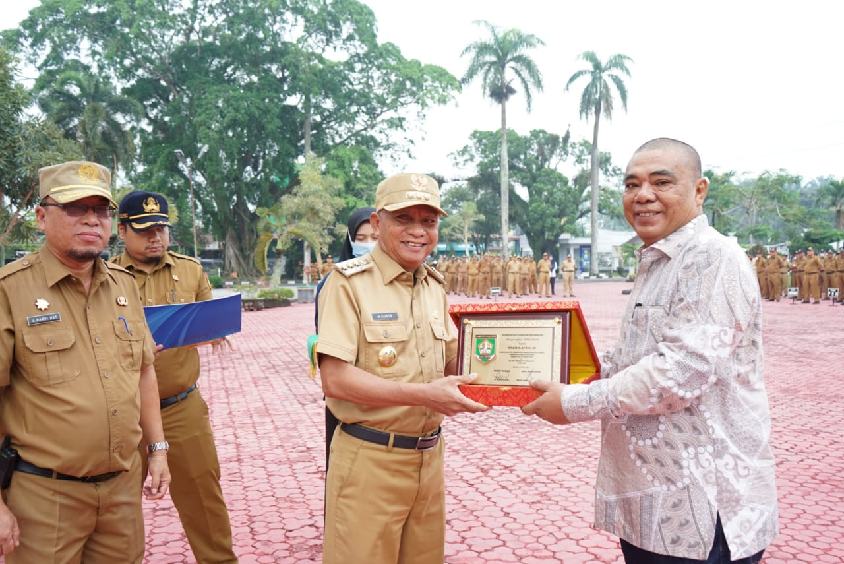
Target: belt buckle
(427, 443)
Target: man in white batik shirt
(686, 472)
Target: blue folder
(178, 325)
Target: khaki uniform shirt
(544, 266)
(773, 264)
(70, 365)
(568, 266)
(373, 308)
(812, 265)
(177, 279)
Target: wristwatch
(155, 447)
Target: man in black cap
(165, 277)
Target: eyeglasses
(102, 211)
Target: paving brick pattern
(518, 489)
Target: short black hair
(663, 142)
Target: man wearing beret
(385, 349)
(78, 386)
(165, 277)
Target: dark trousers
(720, 553)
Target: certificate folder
(179, 325)
(510, 344)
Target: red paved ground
(518, 489)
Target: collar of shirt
(55, 270)
(130, 264)
(390, 269)
(673, 243)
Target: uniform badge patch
(387, 356)
(385, 316)
(41, 304)
(41, 319)
(122, 301)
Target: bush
(276, 293)
(216, 281)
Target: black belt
(26, 467)
(399, 441)
(167, 402)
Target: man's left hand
(159, 477)
(549, 405)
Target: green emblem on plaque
(485, 348)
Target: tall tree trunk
(593, 256)
(505, 186)
(306, 262)
(306, 129)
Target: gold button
(386, 334)
(49, 342)
(106, 374)
(422, 354)
(98, 340)
(114, 412)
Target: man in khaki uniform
(772, 274)
(800, 263)
(513, 285)
(327, 266)
(524, 275)
(78, 383)
(463, 275)
(473, 270)
(165, 277)
(497, 273)
(385, 348)
(812, 268)
(544, 287)
(568, 276)
(761, 274)
(484, 274)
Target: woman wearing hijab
(360, 239)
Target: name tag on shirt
(385, 316)
(41, 319)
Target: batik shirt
(683, 406)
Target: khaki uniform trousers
(472, 285)
(483, 285)
(67, 522)
(383, 506)
(544, 284)
(568, 284)
(837, 279)
(813, 289)
(195, 487)
(774, 287)
(461, 282)
(801, 285)
(512, 283)
(524, 285)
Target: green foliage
(215, 280)
(253, 83)
(307, 213)
(275, 294)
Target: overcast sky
(752, 85)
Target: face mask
(360, 249)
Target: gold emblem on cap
(151, 205)
(122, 301)
(88, 172)
(419, 182)
(415, 195)
(41, 304)
(387, 356)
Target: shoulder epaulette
(437, 275)
(16, 266)
(188, 257)
(114, 266)
(353, 266)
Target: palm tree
(88, 109)
(597, 98)
(499, 61)
(832, 195)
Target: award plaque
(508, 345)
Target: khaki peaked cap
(74, 180)
(408, 189)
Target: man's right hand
(10, 534)
(445, 397)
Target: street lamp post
(181, 155)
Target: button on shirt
(70, 399)
(368, 314)
(683, 405)
(176, 279)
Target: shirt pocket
(130, 343)
(48, 356)
(386, 352)
(440, 337)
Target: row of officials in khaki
(519, 276)
(815, 277)
(92, 412)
